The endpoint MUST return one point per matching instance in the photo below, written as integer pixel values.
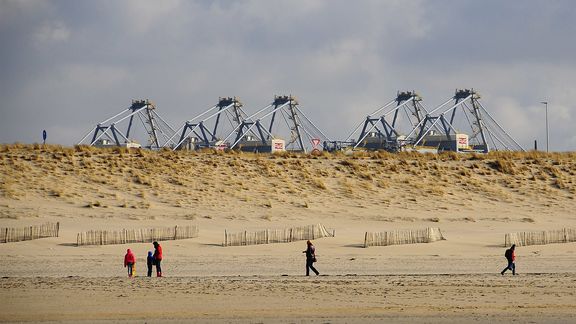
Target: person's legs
(314, 269)
(150, 271)
(508, 267)
(158, 268)
(129, 269)
(513, 268)
(310, 265)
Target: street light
(547, 142)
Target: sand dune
(474, 199)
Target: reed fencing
(142, 235)
(27, 233)
(565, 235)
(428, 235)
(286, 235)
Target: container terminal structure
(460, 124)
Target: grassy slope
(187, 183)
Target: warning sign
(315, 142)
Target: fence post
(57, 229)
(6, 237)
(225, 238)
(245, 237)
(175, 230)
(366, 240)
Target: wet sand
(542, 298)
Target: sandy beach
(475, 201)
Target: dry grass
(141, 179)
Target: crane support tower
(461, 124)
(108, 133)
(256, 133)
(197, 133)
(387, 127)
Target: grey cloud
(69, 64)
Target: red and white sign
(315, 142)
(462, 141)
(278, 145)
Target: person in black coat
(310, 258)
(510, 255)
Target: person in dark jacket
(510, 255)
(158, 258)
(310, 258)
(129, 262)
(150, 263)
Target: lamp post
(545, 103)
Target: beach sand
(474, 201)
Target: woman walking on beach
(510, 255)
(158, 258)
(129, 262)
(310, 258)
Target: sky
(67, 65)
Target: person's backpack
(508, 254)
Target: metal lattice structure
(197, 133)
(461, 124)
(108, 132)
(261, 131)
(386, 128)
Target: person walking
(310, 258)
(158, 258)
(129, 262)
(150, 263)
(510, 255)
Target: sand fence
(428, 235)
(565, 235)
(142, 235)
(286, 235)
(27, 233)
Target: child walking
(129, 262)
(150, 263)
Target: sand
(473, 201)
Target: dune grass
(128, 178)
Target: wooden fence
(142, 235)
(565, 235)
(310, 232)
(29, 232)
(430, 234)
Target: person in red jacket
(129, 262)
(158, 258)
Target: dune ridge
(138, 179)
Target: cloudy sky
(66, 65)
